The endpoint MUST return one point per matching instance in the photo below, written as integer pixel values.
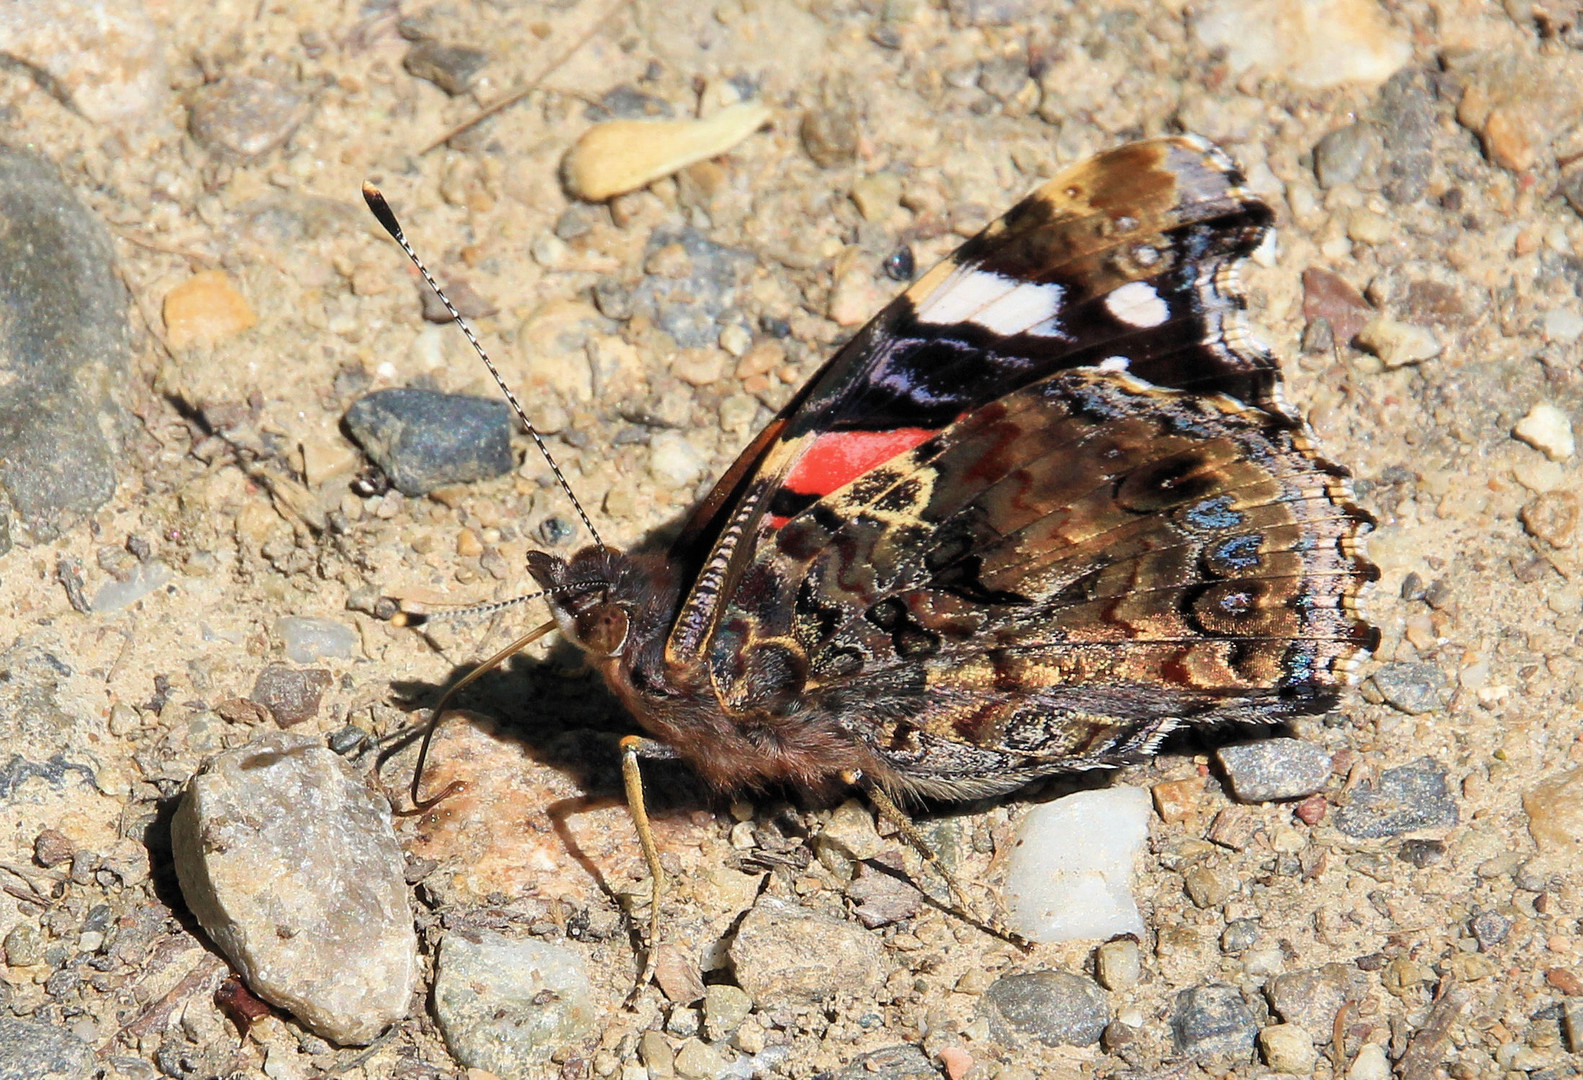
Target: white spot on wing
(999, 304)
(1137, 304)
(963, 295)
(1022, 309)
(1114, 363)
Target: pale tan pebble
(762, 359)
(855, 297)
(698, 367)
(1398, 344)
(1548, 430)
(736, 339)
(877, 196)
(1367, 227)
(1288, 1049)
(623, 155)
(204, 309)
(674, 461)
(468, 544)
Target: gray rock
(307, 639)
(1239, 935)
(45, 704)
(786, 954)
(1213, 1020)
(453, 68)
(725, 1007)
(1422, 853)
(1311, 998)
(293, 869)
(1414, 688)
(31, 1051)
(688, 303)
(1406, 110)
(1342, 156)
(424, 439)
(1274, 769)
(882, 898)
(1490, 928)
(507, 1005)
(1056, 1008)
(63, 345)
(145, 578)
(291, 695)
(1411, 797)
(906, 1062)
(243, 116)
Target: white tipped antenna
(382, 212)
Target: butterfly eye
(602, 629)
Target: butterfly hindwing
(1045, 506)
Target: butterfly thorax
(618, 607)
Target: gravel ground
(196, 552)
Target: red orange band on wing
(837, 458)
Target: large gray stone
(63, 344)
(293, 869)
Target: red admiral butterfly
(1045, 507)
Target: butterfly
(1047, 506)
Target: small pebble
(1370, 1064)
(24, 945)
(1562, 326)
(1555, 817)
(1414, 688)
(830, 133)
(725, 1007)
(1212, 1020)
(1405, 799)
(1572, 1025)
(506, 1005)
(1273, 769)
(1343, 155)
(291, 695)
(1070, 873)
(1309, 998)
(1177, 800)
(1552, 517)
(1351, 43)
(697, 1060)
(785, 954)
(244, 116)
(310, 638)
(674, 461)
(1056, 1008)
(1288, 1049)
(145, 580)
(1548, 430)
(956, 1061)
(52, 847)
(1119, 964)
(877, 195)
(1329, 296)
(204, 309)
(423, 439)
(453, 68)
(1490, 929)
(1398, 344)
(1239, 935)
(624, 155)
(1422, 853)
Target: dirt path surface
(196, 297)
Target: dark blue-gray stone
(424, 439)
(1211, 1020)
(31, 1051)
(1411, 797)
(63, 345)
(1056, 1008)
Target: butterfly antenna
(419, 618)
(382, 212)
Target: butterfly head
(585, 596)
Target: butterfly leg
(633, 747)
(915, 839)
